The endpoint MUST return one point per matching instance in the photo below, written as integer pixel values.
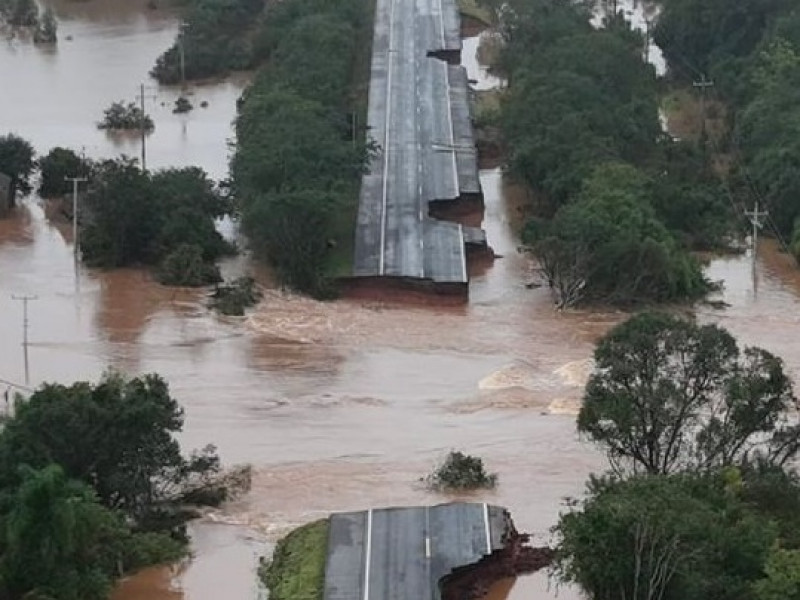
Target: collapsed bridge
(419, 117)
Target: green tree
(290, 229)
(56, 166)
(782, 581)
(185, 267)
(117, 436)
(611, 228)
(668, 394)
(123, 219)
(59, 542)
(675, 537)
(16, 161)
(140, 218)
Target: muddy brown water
(337, 406)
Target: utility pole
(25, 299)
(755, 218)
(647, 25)
(703, 84)
(75, 181)
(142, 126)
(183, 60)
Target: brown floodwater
(337, 406)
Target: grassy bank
(297, 568)
(472, 10)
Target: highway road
(403, 553)
(418, 115)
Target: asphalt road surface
(403, 553)
(419, 117)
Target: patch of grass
(297, 568)
(460, 472)
(471, 9)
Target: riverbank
(297, 567)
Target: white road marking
(464, 275)
(427, 547)
(382, 259)
(450, 121)
(368, 555)
(486, 526)
(441, 23)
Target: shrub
(461, 471)
(185, 267)
(125, 116)
(233, 298)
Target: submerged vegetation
(751, 51)
(94, 486)
(125, 116)
(217, 36)
(297, 162)
(233, 298)
(460, 472)
(580, 119)
(161, 218)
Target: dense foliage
(93, 485)
(234, 297)
(216, 37)
(133, 217)
(677, 537)
(461, 471)
(56, 166)
(704, 501)
(17, 162)
(297, 163)
(580, 118)
(125, 116)
(751, 50)
(668, 394)
(611, 228)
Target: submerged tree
(16, 161)
(47, 31)
(668, 394)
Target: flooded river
(337, 406)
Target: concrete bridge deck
(419, 116)
(404, 553)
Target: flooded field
(336, 405)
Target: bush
(55, 167)
(233, 298)
(185, 267)
(125, 116)
(461, 471)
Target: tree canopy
(677, 537)
(93, 485)
(668, 394)
(611, 228)
(297, 163)
(17, 162)
(581, 121)
(141, 218)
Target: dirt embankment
(516, 558)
